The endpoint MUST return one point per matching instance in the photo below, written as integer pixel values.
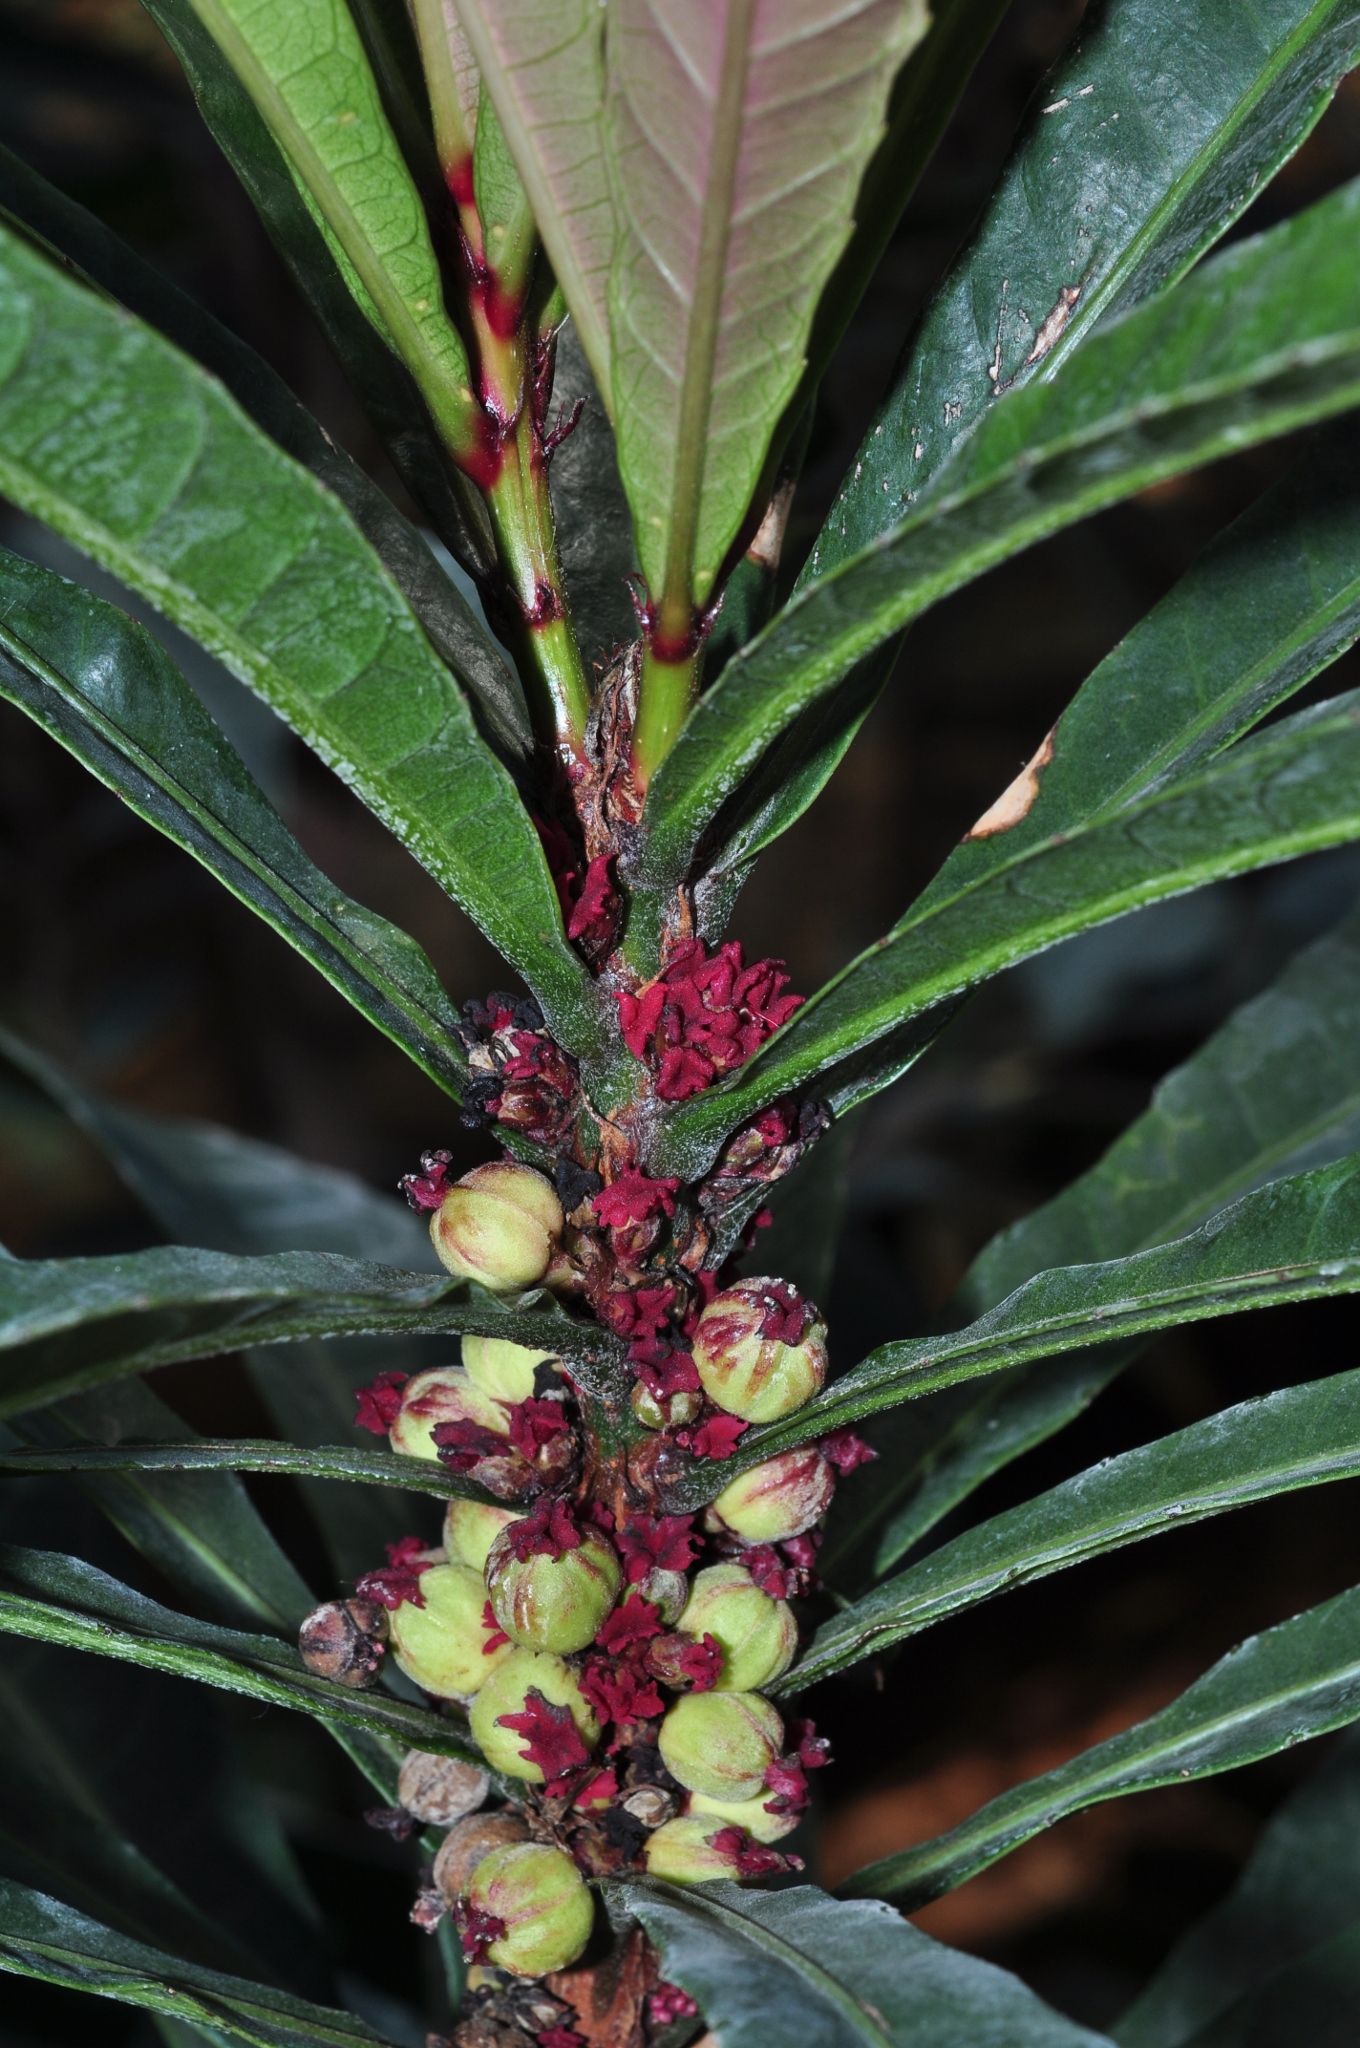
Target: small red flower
(635, 1621)
(595, 906)
(534, 1423)
(845, 1450)
(785, 1316)
(655, 1543)
(477, 1930)
(619, 1690)
(552, 1739)
(786, 1780)
(639, 1016)
(632, 1198)
(668, 2002)
(427, 1189)
(812, 1750)
(679, 1661)
(716, 1438)
(666, 1370)
(496, 1635)
(684, 1072)
(464, 1444)
(400, 1580)
(638, 1311)
(752, 1858)
(560, 2037)
(768, 1570)
(602, 1788)
(379, 1402)
(547, 1532)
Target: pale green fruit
(654, 1414)
(757, 1635)
(466, 1845)
(470, 1529)
(505, 1371)
(499, 1225)
(443, 1394)
(746, 1372)
(721, 1743)
(544, 1902)
(554, 1603)
(783, 1497)
(681, 1852)
(524, 1671)
(442, 1645)
(744, 1813)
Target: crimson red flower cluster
(704, 1015)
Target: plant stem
(664, 697)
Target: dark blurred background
(124, 959)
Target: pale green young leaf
(305, 68)
(1258, 341)
(128, 449)
(1300, 1436)
(736, 139)
(1284, 1686)
(542, 63)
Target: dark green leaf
(126, 447)
(1314, 2000)
(99, 684)
(1300, 1436)
(1256, 342)
(204, 1534)
(217, 1454)
(594, 525)
(56, 1599)
(1288, 1241)
(40, 210)
(1276, 1090)
(795, 1969)
(41, 1938)
(1292, 789)
(70, 1324)
(1300, 1889)
(1284, 1686)
(383, 384)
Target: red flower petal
(595, 905)
(636, 1621)
(400, 1580)
(660, 1542)
(684, 1072)
(379, 1402)
(496, 1635)
(552, 1738)
(535, 1423)
(845, 1450)
(716, 1438)
(632, 1198)
(547, 1532)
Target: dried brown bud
(468, 1842)
(438, 1789)
(344, 1640)
(650, 1805)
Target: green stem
(665, 694)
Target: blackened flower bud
(470, 1529)
(553, 1603)
(506, 1372)
(757, 1635)
(721, 1743)
(760, 1350)
(751, 1814)
(439, 1790)
(670, 1412)
(781, 1498)
(467, 1842)
(448, 1644)
(443, 1394)
(344, 1640)
(499, 1225)
(684, 1851)
(543, 1902)
(504, 1696)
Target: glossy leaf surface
(384, 385)
(69, 1324)
(1299, 1436)
(1149, 139)
(99, 684)
(736, 136)
(1260, 340)
(40, 210)
(61, 1600)
(1289, 790)
(796, 1969)
(1292, 1239)
(1284, 1686)
(217, 1454)
(1274, 1091)
(1299, 1890)
(39, 1937)
(123, 445)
